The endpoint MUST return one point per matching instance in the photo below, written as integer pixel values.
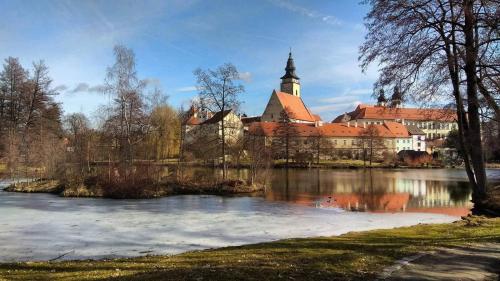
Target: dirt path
(474, 262)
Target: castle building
(433, 122)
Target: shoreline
(139, 191)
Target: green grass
(354, 256)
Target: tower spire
(290, 68)
(290, 81)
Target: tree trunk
(223, 143)
(474, 136)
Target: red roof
(397, 129)
(193, 121)
(363, 111)
(295, 105)
(387, 130)
(248, 120)
(270, 129)
(340, 130)
(217, 117)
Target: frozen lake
(44, 226)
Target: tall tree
(164, 133)
(78, 130)
(128, 119)
(432, 48)
(371, 140)
(219, 91)
(285, 132)
(13, 80)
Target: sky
(172, 38)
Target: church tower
(290, 81)
(397, 98)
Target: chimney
(348, 124)
(403, 121)
(356, 124)
(364, 125)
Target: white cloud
(60, 88)
(186, 89)
(349, 94)
(337, 107)
(85, 87)
(245, 76)
(155, 82)
(329, 19)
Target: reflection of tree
(459, 192)
(370, 196)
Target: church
(289, 98)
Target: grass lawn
(353, 256)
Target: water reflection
(436, 191)
(444, 191)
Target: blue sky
(172, 38)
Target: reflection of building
(371, 191)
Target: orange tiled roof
(397, 129)
(270, 129)
(297, 107)
(340, 130)
(387, 130)
(316, 117)
(193, 121)
(363, 111)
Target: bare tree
(371, 140)
(78, 131)
(220, 92)
(128, 119)
(259, 157)
(285, 133)
(13, 80)
(435, 49)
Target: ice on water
(44, 226)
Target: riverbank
(353, 256)
(92, 188)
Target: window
(335, 142)
(345, 142)
(353, 142)
(418, 144)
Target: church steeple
(397, 97)
(290, 68)
(381, 100)
(290, 81)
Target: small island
(92, 187)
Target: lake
(444, 191)
(298, 203)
